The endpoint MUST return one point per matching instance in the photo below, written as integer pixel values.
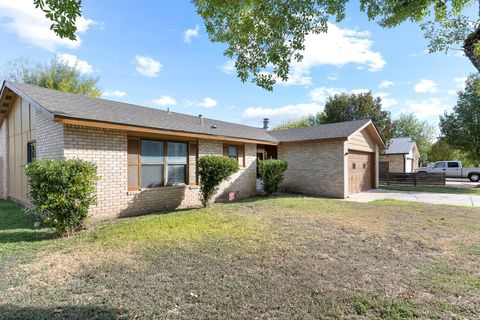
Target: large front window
(156, 163)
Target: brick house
(146, 158)
(401, 155)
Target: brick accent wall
(315, 168)
(396, 162)
(108, 150)
(3, 159)
(49, 137)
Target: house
(147, 158)
(401, 155)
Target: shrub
(62, 191)
(271, 173)
(213, 170)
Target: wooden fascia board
(22, 95)
(139, 130)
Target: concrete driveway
(427, 197)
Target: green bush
(62, 192)
(271, 173)
(213, 170)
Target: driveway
(427, 197)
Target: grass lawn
(263, 258)
(434, 189)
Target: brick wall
(315, 168)
(108, 150)
(3, 159)
(49, 137)
(396, 162)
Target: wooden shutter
(192, 164)
(133, 163)
(241, 155)
(225, 150)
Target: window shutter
(225, 150)
(241, 155)
(133, 164)
(192, 164)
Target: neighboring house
(402, 155)
(147, 158)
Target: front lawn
(434, 189)
(264, 258)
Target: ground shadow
(10, 312)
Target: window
(364, 166)
(354, 166)
(233, 152)
(236, 152)
(154, 163)
(31, 151)
(439, 165)
(453, 165)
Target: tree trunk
(469, 48)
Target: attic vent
(214, 127)
(8, 97)
(5, 104)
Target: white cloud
(387, 102)
(114, 93)
(425, 108)
(228, 67)
(71, 60)
(147, 66)
(385, 84)
(292, 111)
(332, 76)
(207, 103)
(321, 94)
(189, 34)
(31, 25)
(338, 47)
(460, 81)
(426, 86)
(165, 101)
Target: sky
(157, 54)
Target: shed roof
(400, 146)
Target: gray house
(147, 158)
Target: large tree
(461, 127)
(349, 107)
(265, 36)
(423, 133)
(53, 75)
(442, 151)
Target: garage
(360, 171)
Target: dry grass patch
(281, 258)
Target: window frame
(30, 158)
(140, 164)
(240, 152)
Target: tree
(213, 170)
(442, 151)
(423, 133)
(54, 75)
(289, 124)
(349, 107)
(461, 127)
(266, 36)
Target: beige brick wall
(108, 150)
(396, 161)
(49, 137)
(315, 168)
(3, 159)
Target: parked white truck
(452, 169)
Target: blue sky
(156, 53)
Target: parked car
(452, 169)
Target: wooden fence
(414, 179)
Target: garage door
(360, 171)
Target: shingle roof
(63, 104)
(400, 146)
(324, 131)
